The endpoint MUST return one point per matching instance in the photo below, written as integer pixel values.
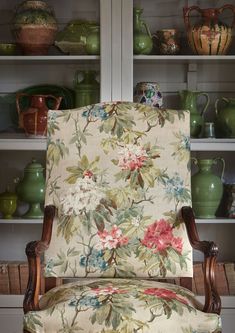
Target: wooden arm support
(34, 251)
(210, 250)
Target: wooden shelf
(227, 301)
(11, 301)
(216, 221)
(21, 221)
(183, 58)
(212, 144)
(50, 59)
(18, 141)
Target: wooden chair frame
(35, 249)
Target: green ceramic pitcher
(87, 89)
(189, 102)
(225, 120)
(207, 188)
(142, 41)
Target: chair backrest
(118, 173)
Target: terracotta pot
(209, 36)
(34, 27)
(34, 119)
(35, 40)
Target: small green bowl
(7, 49)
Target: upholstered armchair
(117, 219)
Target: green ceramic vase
(31, 189)
(87, 89)
(8, 204)
(207, 188)
(93, 41)
(142, 42)
(225, 120)
(189, 102)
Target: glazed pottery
(8, 203)
(34, 27)
(7, 49)
(93, 41)
(230, 200)
(207, 188)
(209, 130)
(167, 41)
(142, 41)
(225, 120)
(209, 36)
(87, 88)
(34, 118)
(73, 38)
(148, 93)
(31, 189)
(189, 102)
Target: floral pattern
(117, 173)
(120, 306)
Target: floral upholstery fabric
(119, 306)
(118, 174)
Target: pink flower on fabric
(132, 157)
(112, 239)
(87, 173)
(165, 294)
(108, 291)
(159, 236)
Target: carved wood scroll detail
(210, 250)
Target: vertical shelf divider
(105, 51)
(127, 50)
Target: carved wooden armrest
(210, 250)
(34, 251)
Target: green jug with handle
(189, 102)
(142, 42)
(225, 118)
(207, 188)
(87, 88)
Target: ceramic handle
(18, 97)
(216, 104)
(76, 77)
(186, 11)
(56, 99)
(232, 8)
(207, 102)
(147, 29)
(194, 160)
(223, 165)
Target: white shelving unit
(211, 74)
(119, 73)
(16, 150)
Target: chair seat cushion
(120, 306)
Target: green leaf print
(83, 168)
